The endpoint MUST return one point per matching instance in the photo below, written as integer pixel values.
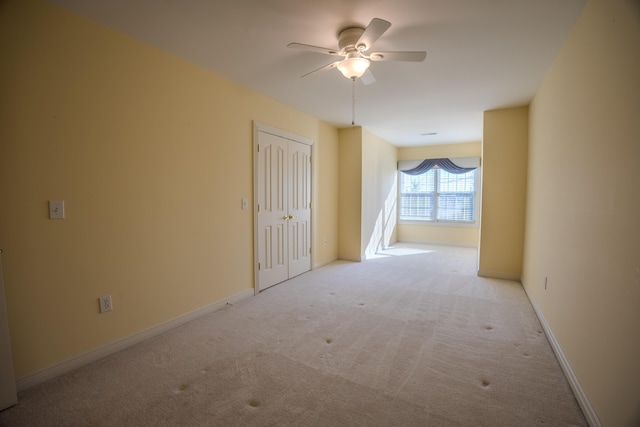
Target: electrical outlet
(105, 304)
(56, 209)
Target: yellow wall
(367, 194)
(466, 236)
(350, 194)
(379, 193)
(152, 156)
(583, 206)
(440, 234)
(325, 193)
(467, 149)
(504, 188)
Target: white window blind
(439, 196)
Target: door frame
(257, 128)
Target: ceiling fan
(354, 44)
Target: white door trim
(257, 128)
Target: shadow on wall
(634, 5)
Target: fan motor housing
(348, 38)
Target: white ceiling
(481, 54)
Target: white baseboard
(581, 397)
(80, 360)
(498, 275)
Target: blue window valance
(457, 165)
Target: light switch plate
(56, 209)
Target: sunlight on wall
(376, 236)
(379, 188)
(384, 230)
(390, 207)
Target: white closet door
(283, 197)
(299, 208)
(272, 210)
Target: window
(437, 195)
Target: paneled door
(299, 202)
(283, 207)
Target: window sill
(427, 223)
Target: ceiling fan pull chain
(353, 101)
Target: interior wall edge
(75, 362)
(578, 391)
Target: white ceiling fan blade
(326, 67)
(367, 78)
(414, 56)
(374, 30)
(316, 49)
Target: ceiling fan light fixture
(353, 68)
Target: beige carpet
(412, 338)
